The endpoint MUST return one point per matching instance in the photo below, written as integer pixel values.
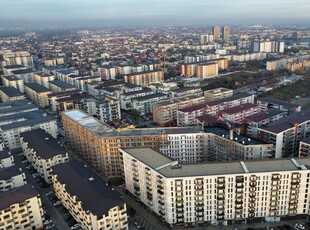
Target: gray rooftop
(11, 91)
(61, 84)
(160, 163)
(16, 196)
(24, 119)
(42, 143)
(37, 87)
(91, 192)
(8, 173)
(5, 154)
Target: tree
(135, 114)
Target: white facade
(6, 159)
(214, 193)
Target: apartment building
(98, 143)
(10, 93)
(9, 69)
(144, 105)
(13, 81)
(304, 147)
(165, 112)
(207, 70)
(238, 113)
(206, 38)
(42, 151)
(268, 46)
(270, 103)
(186, 91)
(43, 78)
(105, 109)
(15, 107)
(38, 94)
(217, 193)
(295, 66)
(58, 86)
(187, 116)
(24, 74)
(260, 119)
(21, 208)
(54, 61)
(225, 33)
(145, 78)
(6, 159)
(126, 98)
(54, 97)
(12, 125)
(82, 195)
(286, 133)
(216, 31)
(11, 177)
(17, 58)
(218, 93)
(107, 72)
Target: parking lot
(55, 215)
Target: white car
(46, 222)
(50, 226)
(58, 202)
(49, 193)
(76, 226)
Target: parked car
(76, 226)
(58, 202)
(47, 222)
(49, 193)
(50, 226)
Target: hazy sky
(155, 11)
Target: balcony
(137, 193)
(253, 184)
(199, 215)
(239, 202)
(136, 187)
(239, 185)
(222, 186)
(161, 213)
(161, 202)
(160, 186)
(220, 197)
(136, 179)
(239, 179)
(199, 209)
(199, 188)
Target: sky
(153, 12)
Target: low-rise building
(6, 159)
(11, 177)
(38, 94)
(24, 74)
(186, 91)
(42, 151)
(54, 97)
(10, 93)
(21, 208)
(126, 98)
(12, 125)
(58, 86)
(218, 93)
(82, 195)
(191, 194)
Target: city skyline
(137, 12)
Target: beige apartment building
(43, 152)
(207, 70)
(38, 94)
(21, 208)
(145, 78)
(89, 200)
(218, 93)
(43, 78)
(221, 194)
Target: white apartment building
(43, 152)
(17, 58)
(218, 93)
(126, 98)
(304, 147)
(213, 193)
(43, 78)
(6, 159)
(144, 105)
(89, 200)
(12, 125)
(11, 177)
(38, 94)
(21, 208)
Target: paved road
(146, 215)
(55, 216)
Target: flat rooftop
(24, 119)
(43, 74)
(258, 117)
(278, 102)
(11, 91)
(288, 122)
(43, 143)
(160, 163)
(4, 154)
(61, 84)
(37, 87)
(8, 173)
(239, 108)
(16, 196)
(88, 187)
